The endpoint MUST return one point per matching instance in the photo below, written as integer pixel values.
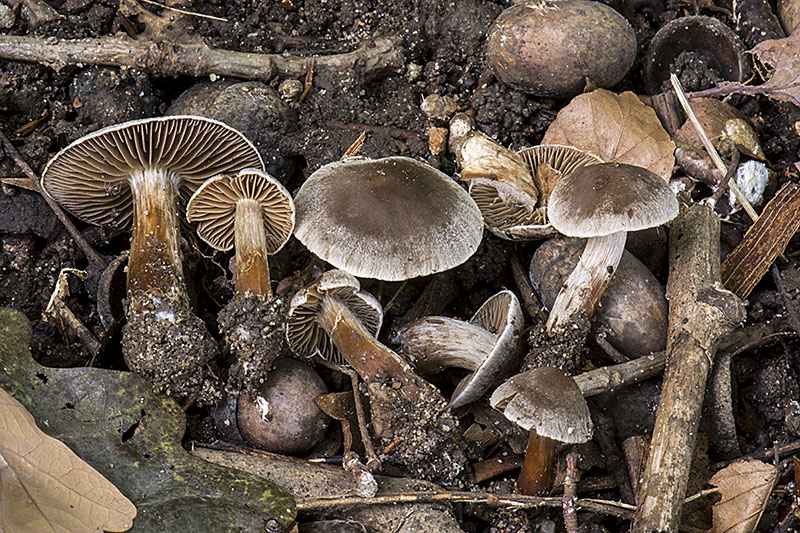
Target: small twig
(391, 301)
(376, 57)
(529, 299)
(612, 353)
(356, 147)
(745, 203)
(570, 493)
(726, 180)
(184, 12)
(91, 254)
(308, 82)
(517, 501)
(701, 494)
(373, 462)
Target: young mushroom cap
(487, 345)
(548, 401)
(213, 208)
(606, 198)
(391, 219)
(304, 332)
(90, 176)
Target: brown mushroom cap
(213, 208)
(391, 219)
(548, 401)
(606, 198)
(89, 177)
(304, 333)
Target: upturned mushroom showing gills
(488, 345)
(253, 213)
(391, 219)
(334, 318)
(512, 189)
(602, 203)
(549, 404)
(134, 175)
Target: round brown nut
(551, 47)
(283, 417)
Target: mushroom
(333, 318)
(391, 219)
(488, 345)
(512, 189)
(254, 213)
(602, 203)
(549, 404)
(135, 174)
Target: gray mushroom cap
(213, 208)
(391, 219)
(304, 334)
(90, 176)
(548, 401)
(606, 198)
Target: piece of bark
(718, 410)
(700, 313)
(766, 239)
(306, 480)
(635, 450)
(378, 56)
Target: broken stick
(379, 56)
(700, 313)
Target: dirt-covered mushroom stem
(155, 266)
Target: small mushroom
(721, 122)
(253, 213)
(408, 413)
(512, 189)
(602, 203)
(551, 47)
(488, 345)
(549, 404)
(391, 219)
(135, 174)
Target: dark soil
(443, 45)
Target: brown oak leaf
(745, 487)
(45, 487)
(618, 128)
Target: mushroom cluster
(135, 175)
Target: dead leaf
(745, 487)
(46, 487)
(616, 128)
(783, 55)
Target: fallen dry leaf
(783, 55)
(616, 128)
(745, 487)
(46, 487)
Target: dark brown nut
(633, 309)
(283, 417)
(551, 47)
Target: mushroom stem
(252, 269)
(363, 352)
(438, 342)
(154, 265)
(588, 280)
(536, 476)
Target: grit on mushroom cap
(304, 333)
(548, 401)
(606, 198)
(89, 177)
(391, 219)
(213, 208)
